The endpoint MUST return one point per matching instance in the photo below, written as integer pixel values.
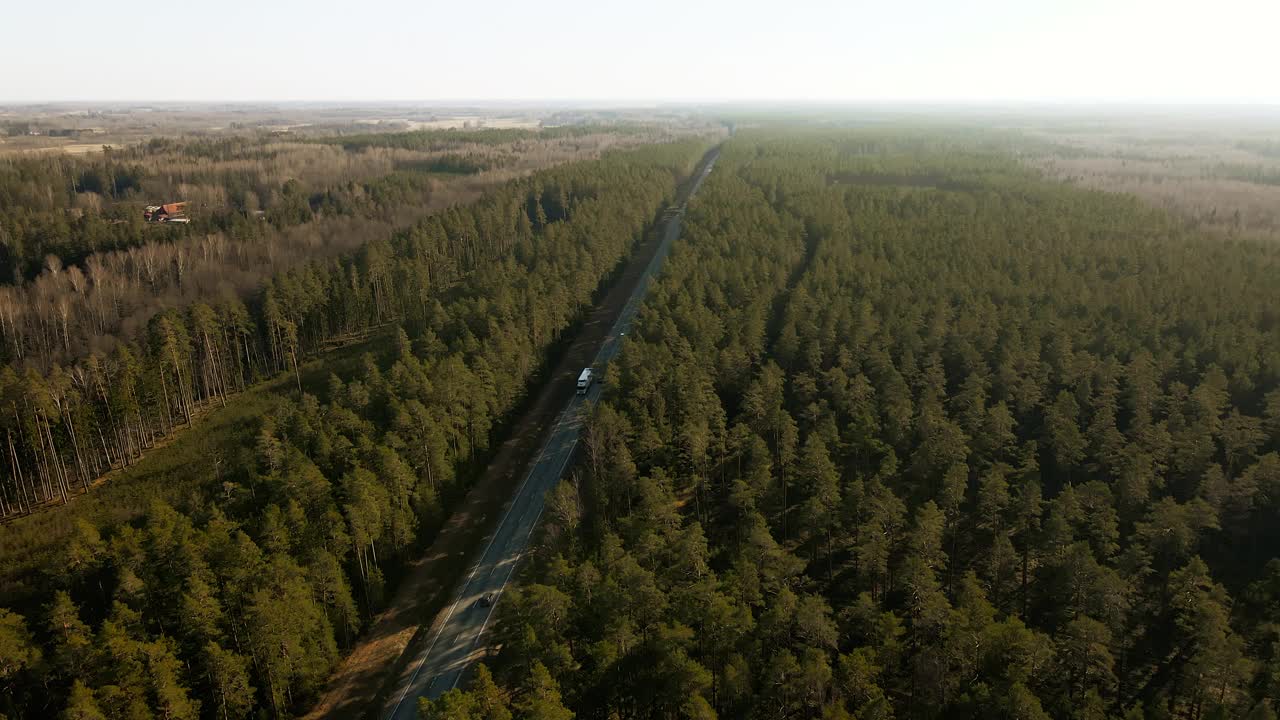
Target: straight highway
(459, 639)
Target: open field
(52, 146)
(85, 128)
(1223, 174)
(457, 122)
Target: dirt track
(357, 688)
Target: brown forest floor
(357, 687)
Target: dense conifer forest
(234, 597)
(906, 431)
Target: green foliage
(953, 441)
(902, 430)
(222, 576)
(81, 704)
(228, 682)
(481, 700)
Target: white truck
(584, 381)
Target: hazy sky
(947, 50)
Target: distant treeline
(1259, 174)
(429, 140)
(1269, 148)
(452, 164)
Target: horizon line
(679, 102)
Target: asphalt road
(459, 640)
